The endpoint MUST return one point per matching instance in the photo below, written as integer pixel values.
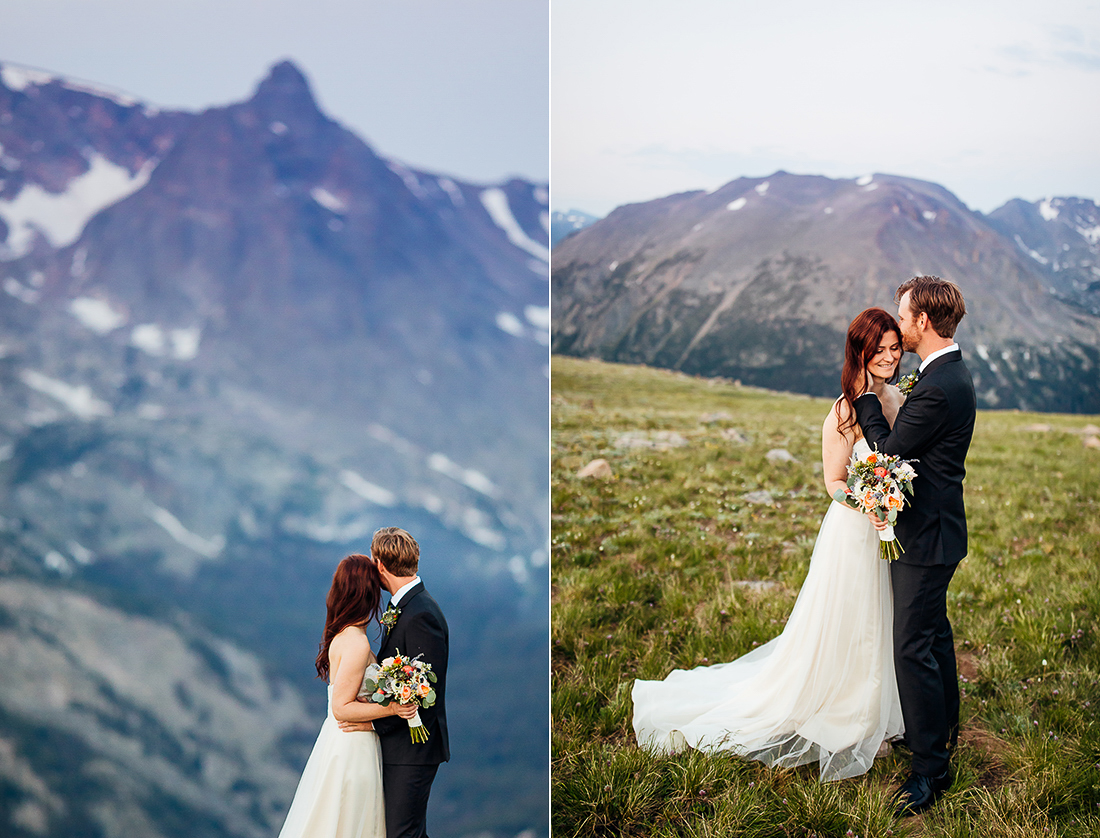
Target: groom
(934, 426)
(413, 624)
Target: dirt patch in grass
(967, 665)
(992, 749)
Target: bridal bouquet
(404, 680)
(877, 483)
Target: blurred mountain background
(758, 280)
(232, 344)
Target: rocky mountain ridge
(232, 344)
(758, 280)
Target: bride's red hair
(864, 335)
(352, 600)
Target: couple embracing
(366, 777)
(867, 655)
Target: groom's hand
(355, 727)
(868, 384)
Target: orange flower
(880, 472)
(872, 457)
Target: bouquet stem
(417, 732)
(889, 545)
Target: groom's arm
(424, 635)
(920, 419)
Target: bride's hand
(874, 519)
(405, 711)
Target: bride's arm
(351, 652)
(836, 451)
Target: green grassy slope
(649, 568)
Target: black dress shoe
(919, 792)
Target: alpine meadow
(688, 545)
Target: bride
(823, 690)
(340, 793)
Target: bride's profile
(823, 690)
(340, 793)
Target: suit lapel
(401, 606)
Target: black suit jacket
(420, 628)
(934, 426)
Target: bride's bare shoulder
(839, 416)
(351, 637)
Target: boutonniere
(907, 382)
(389, 616)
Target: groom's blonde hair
(396, 550)
(941, 300)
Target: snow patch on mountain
(367, 490)
(209, 548)
(1092, 234)
(538, 316)
(761, 188)
(511, 324)
(21, 292)
(1034, 254)
(96, 314)
(453, 192)
(496, 204)
(61, 218)
(78, 400)
(412, 183)
(736, 205)
(1047, 209)
(467, 476)
(185, 343)
(329, 201)
(18, 78)
(476, 526)
(181, 344)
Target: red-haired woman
(823, 690)
(340, 793)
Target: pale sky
(452, 86)
(992, 99)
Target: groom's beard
(910, 341)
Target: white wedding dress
(340, 793)
(822, 691)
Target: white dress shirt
(396, 598)
(952, 348)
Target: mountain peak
(285, 86)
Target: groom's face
(910, 332)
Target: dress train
(822, 691)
